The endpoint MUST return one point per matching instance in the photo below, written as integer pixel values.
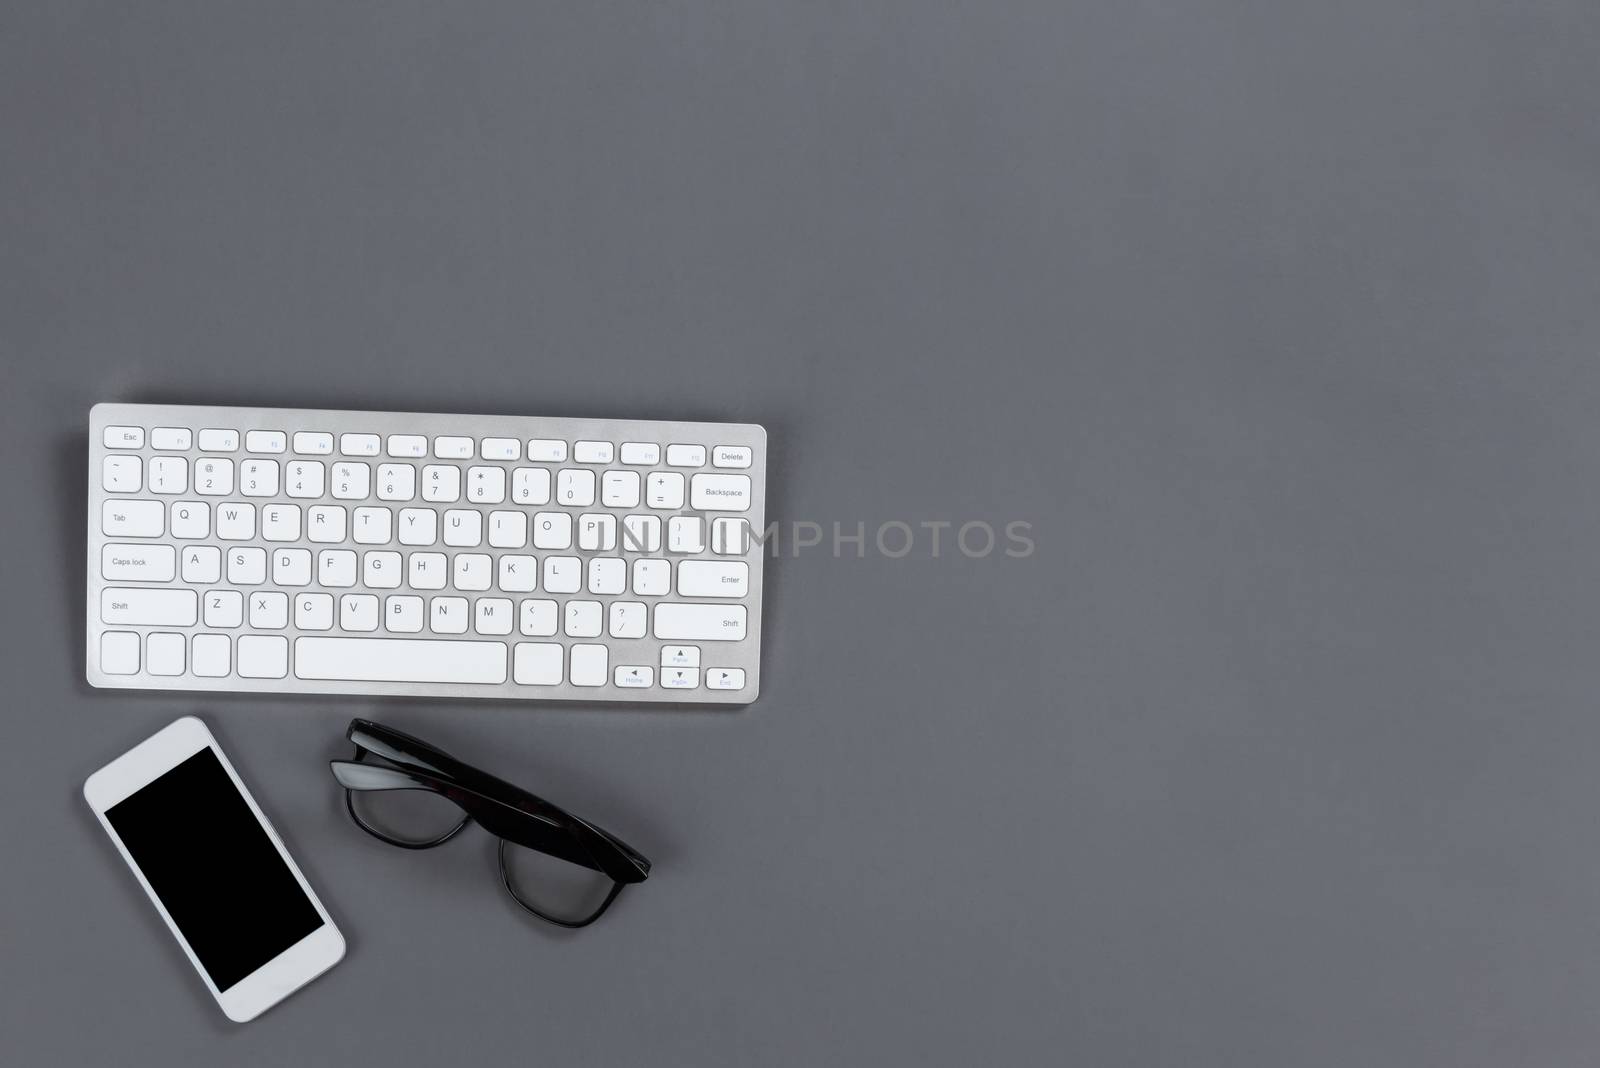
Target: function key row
(415, 446)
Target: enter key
(713, 578)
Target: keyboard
(278, 550)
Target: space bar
(399, 660)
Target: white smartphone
(215, 869)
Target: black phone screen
(217, 873)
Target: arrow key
(628, 676)
(680, 656)
(725, 678)
(680, 678)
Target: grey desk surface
(1278, 322)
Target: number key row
(441, 483)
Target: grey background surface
(1278, 322)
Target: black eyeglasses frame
(513, 815)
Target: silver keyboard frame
(744, 654)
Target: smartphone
(214, 868)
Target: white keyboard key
(448, 615)
(269, 610)
(213, 476)
(538, 618)
(713, 578)
(731, 456)
(720, 493)
(381, 570)
(730, 537)
(360, 444)
(518, 573)
(597, 532)
(400, 660)
(686, 535)
(408, 446)
(629, 676)
(680, 678)
(552, 530)
(537, 664)
(124, 437)
(652, 578)
(280, 522)
(169, 474)
(171, 439)
(641, 534)
(472, 572)
(263, 656)
(247, 566)
(397, 482)
(639, 452)
(700, 622)
(686, 455)
(608, 576)
(582, 619)
(453, 448)
(291, 567)
(492, 615)
(224, 608)
(336, 568)
(134, 606)
(372, 526)
(664, 489)
(306, 477)
(211, 655)
(418, 526)
(501, 449)
(427, 571)
(463, 528)
(547, 451)
(312, 443)
(132, 519)
(627, 619)
(441, 483)
(191, 519)
(508, 530)
(593, 452)
(325, 523)
(163, 654)
(619, 489)
(358, 612)
(272, 441)
(575, 488)
(486, 485)
(530, 485)
(258, 478)
(138, 563)
(562, 574)
(119, 652)
(202, 564)
(216, 440)
(313, 611)
(236, 522)
(680, 656)
(123, 474)
(402, 614)
(588, 666)
(352, 481)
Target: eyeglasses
(388, 761)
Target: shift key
(700, 622)
(145, 607)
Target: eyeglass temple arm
(560, 838)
